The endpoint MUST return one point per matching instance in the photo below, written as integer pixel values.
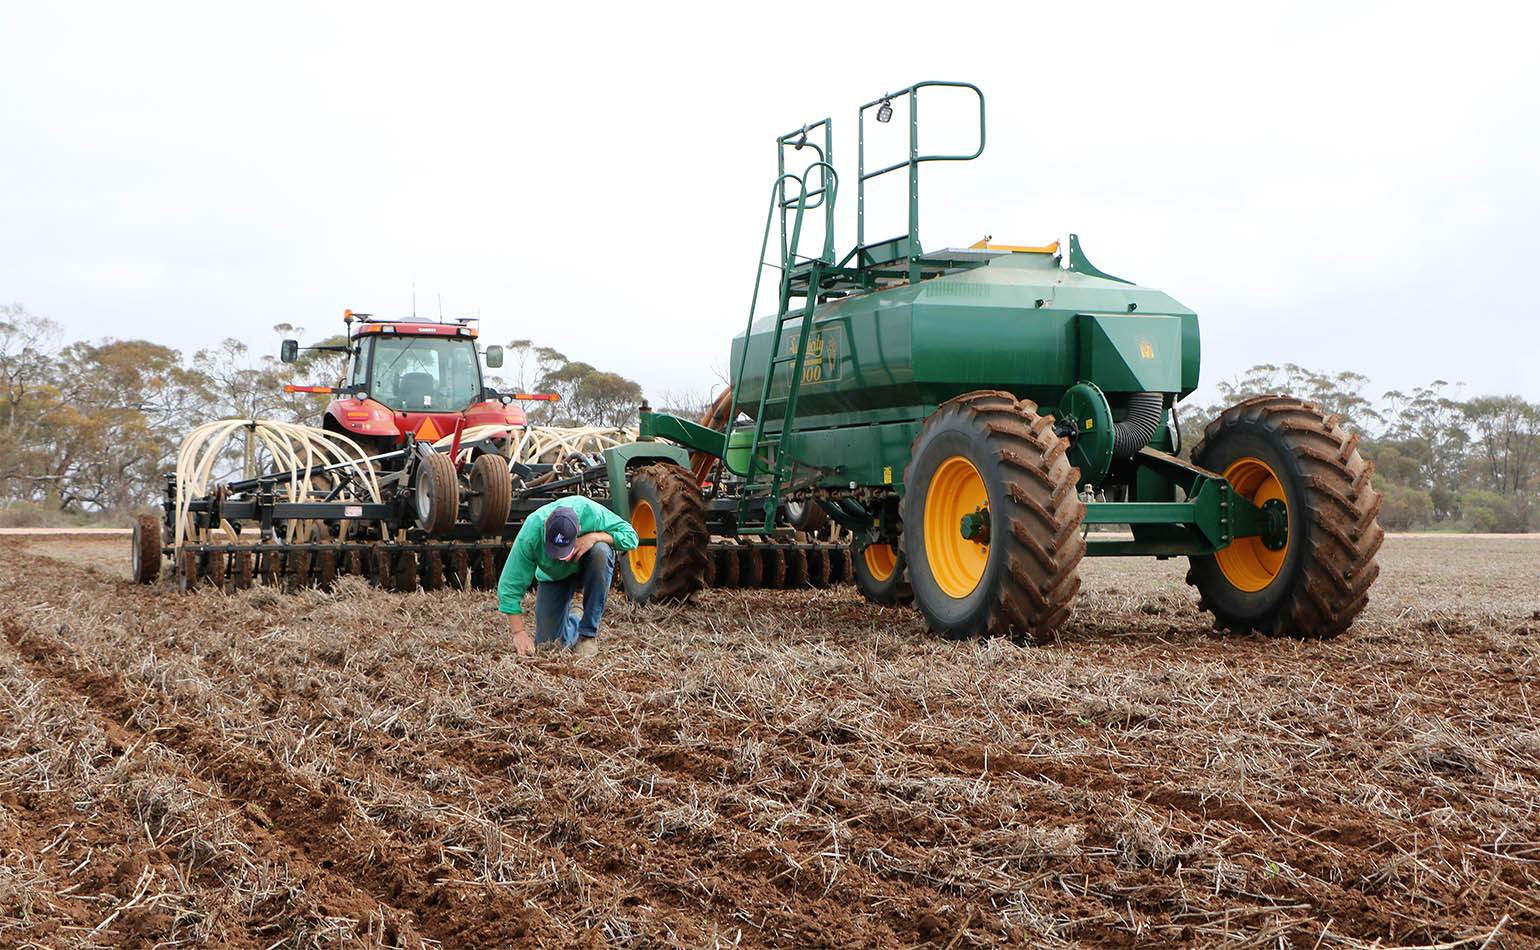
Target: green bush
(1405, 508)
(1487, 511)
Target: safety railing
(884, 110)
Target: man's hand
(522, 641)
(581, 546)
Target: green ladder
(772, 460)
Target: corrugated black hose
(1138, 425)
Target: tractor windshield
(424, 373)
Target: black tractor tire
(666, 505)
(436, 494)
(1318, 583)
(988, 451)
(709, 579)
(881, 574)
(491, 494)
(145, 563)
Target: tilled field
(760, 768)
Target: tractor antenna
(440, 308)
(414, 300)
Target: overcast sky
(1343, 186)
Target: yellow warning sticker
(1090, 424)
(887, 474)
(1147, 350)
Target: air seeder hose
(294, 448)
(1138, 425)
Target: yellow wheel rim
(881, 561)
(957, 563)
(1247, 563)
(643, 557)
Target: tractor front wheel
(1280, 449)
(992, 520)
(669, 516)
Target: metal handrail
(912, 163)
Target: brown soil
(766, 768)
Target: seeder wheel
(727, 567)
(430, 567)
(146, 554)
(751, 570)
(436, 494)
(796, 568)
(666, 509)
(491, 494)
(881, 574)
(187, 571)
(772, 568)
(1279, 450)
(243, 570)
(818, 567)
(992, 520)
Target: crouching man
(567, 545)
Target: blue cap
(561, 533)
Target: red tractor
(410, 376)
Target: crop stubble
(352, 768)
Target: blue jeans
(553, 598)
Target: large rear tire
(881, 575)
(667, 508)
(1278, 447)
(992, 520)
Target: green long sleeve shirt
(527, 561)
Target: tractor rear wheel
(491, 494)
(146, 554)
(436, 494)
(1277, 447)
(667, 510)
(992, 519)
(881, 575)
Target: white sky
(1344, 186)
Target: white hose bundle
(293, 447)
(544, 443)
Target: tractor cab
(412, 376)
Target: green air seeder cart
(967, 413)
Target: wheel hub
(975, 526)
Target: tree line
(1442, 461)
(95, 427)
